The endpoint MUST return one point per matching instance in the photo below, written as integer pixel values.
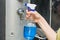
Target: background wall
(14, 26)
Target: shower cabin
(15, 13)
(12, 13)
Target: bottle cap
(31, 7)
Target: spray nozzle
(31, 7)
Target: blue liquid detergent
(29, 31)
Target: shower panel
(14, 26)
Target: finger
(28, 11)
(27, 17)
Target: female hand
(33, 15)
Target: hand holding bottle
(33, 15)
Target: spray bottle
(30, 28)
